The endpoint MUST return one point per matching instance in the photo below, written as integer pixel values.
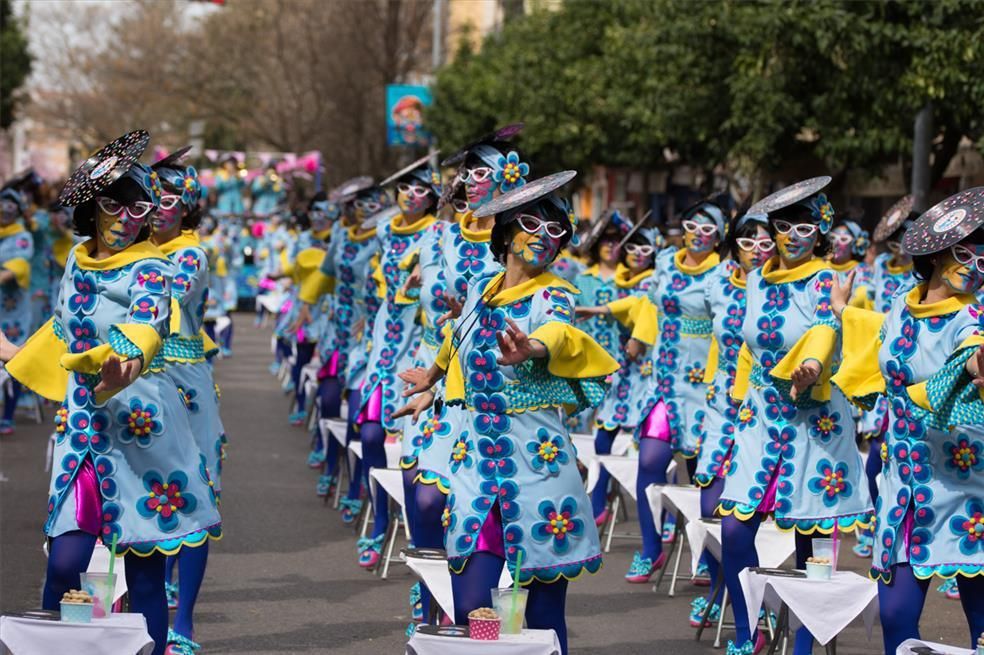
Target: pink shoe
(602, 518)
(642, 568)
(6, 427)
(369, 559)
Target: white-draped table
(530, 642)
(120, 634)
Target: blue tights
(10, 398)
(425, 505)
(738, 552)
(603, 446)
(374, 456)
(227, 335)
(545, 605)
(305, 351)
(68, 557)
(191, 572)
(901, 604)
(352, 434)
(330, 403)
(709, 497)
(654, 457)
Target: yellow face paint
(537, 250)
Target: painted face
(118, 231)
(795, 241)
(700, 234)
(412, 197)
(608, 251)
(479, 185)
(366, 205)
(753, 252)
(961, 267)
(841, 241)
(168, 215)
(638, 257)
(533, 243)
(8, 212)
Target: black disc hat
(945, 223)
(893, 218)
(499, 137)
(420, 171)
(102, 169)
(611, 220)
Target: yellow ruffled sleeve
(861, 299)
(446, 360)
(126, 341)
(859, 375)
(949, 390)
(221, 268)
(210, 347)
(743, 372)
(316, 285)
(637, 314)
(21, 268)
(572, 353)
(710, 370)
(37, 366)
(818, 344)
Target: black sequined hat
(946, 223)
(893, 218)
(101, 170)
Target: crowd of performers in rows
(456, 319)
(114, 282)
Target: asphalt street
(284, 578)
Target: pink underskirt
(657, 424)
(908, 523)
(330, 368)
(267, 284)
(88, 500)
(490, 536)
(768, 502)
(372, 410)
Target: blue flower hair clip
(861, 244)
(510, 173)
(823, 212)
(189, 185)
(572, 217)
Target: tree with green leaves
(756, 87)
(15, 63)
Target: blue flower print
(470, 528)
(189, 261)
(770, 331)
(85, 295)
(671, 306)
(111, 513)
(679, 282)
(903, 424)
(461, 453)
(88, 432)
(548, 452)
(144, 309)
(206, 477)
(919, 542)
(963, 456)
(490, 323)
(559, 524)
(831, 483)
(508, 506)
(825, 425)
(152, 279)
(69, 464)
(905, 344)
(180, 284)
(166, 498)
(913, 461)
(899, 376)
(105, 469)
(781, 441)
(969, 527)
(188, 398)
(776, 407)
(510, 172)
(520, 309)
(512, 537)
(140, 423)
(776, 299)
(484, 372)
(431, 428)
(471, 258)
(82, 334)
(495, 456)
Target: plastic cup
(512, 615)
(827, 548)
(101, 587)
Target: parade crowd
(798, 368)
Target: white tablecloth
(905, 648)
(393, 451)
(772, 544)
(625, 470)
(530, 642)
(121, 634)
(584, 444)
(825, 607)
(435, 574)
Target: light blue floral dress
(682, 347)
(930, 509)
(516, 454)
(805, 449)
(627, 396)
(183, 356)
(603, 328)
(725, 300)
(458, 255)
(228, 191)
(16, 251)
(396, 330)
(156, 489)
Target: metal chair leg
(707, 610)
(724, 607)
(611, 522)
(678, 546)
(389, 547)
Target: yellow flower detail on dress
(646, 369)
(548, 451)
(746, 414)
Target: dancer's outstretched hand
(804, 377)
(975, 366)
(634, 349)
(515, 345)
(420, 379)
(116, 375)
(415, 407)
(840, 293)
(454, 309)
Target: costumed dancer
(183, 358)
(514, 359)
(597, 286)
(927, 360)
(749, 245)
(126, 468)
(229, 183)
(16, 251)
(460, 252)
(308, 324)
(849, 244)
(675, 397)
(794, 455)
(396, 333)
(267, 192)
(634, 321)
